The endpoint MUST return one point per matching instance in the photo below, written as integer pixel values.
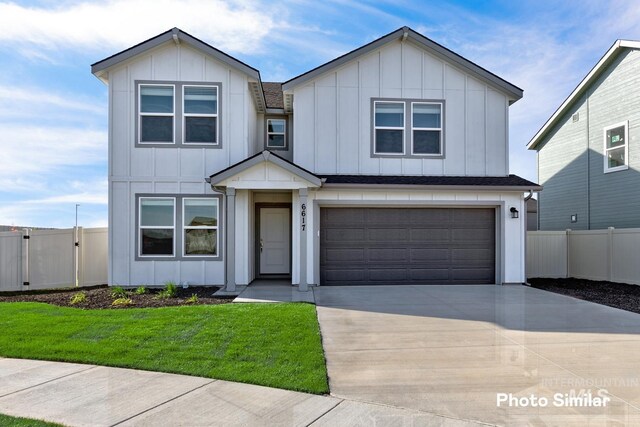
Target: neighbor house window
(157, 226)
(200, 114)
(389, 127)
(276, 133)
(426, 128)
(156, 114)
(200, 222)
(616, 147)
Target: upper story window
(156, 114)
(616, 147)
(178, 114)
(408, 128)
(389, 127)
(426, 128)
(277, 133)
(200, 114)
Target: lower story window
(178, 226)
(157, 226)
(200, 220)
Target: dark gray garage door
(381, 246)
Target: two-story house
(387, 165)
(588, 151)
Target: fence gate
(46, 259)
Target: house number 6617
(303, 216)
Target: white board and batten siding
(332, 120)
(134, 170)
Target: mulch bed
(100, 297)
(618, 295)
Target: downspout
(526, 229)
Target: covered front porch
(266, 232)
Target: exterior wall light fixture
(514, 212)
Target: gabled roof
(178, 36)
(264, 156)
(586, 82)
(407, 33)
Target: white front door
(275, 243)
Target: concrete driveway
(452, 350)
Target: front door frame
(256, 245)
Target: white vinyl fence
(612, 254)
(45, 259)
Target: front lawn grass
(7, 421)
(275, 345)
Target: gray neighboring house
(588, 152)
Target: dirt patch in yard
(618, 295)
(103, 297)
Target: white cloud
(237, 26)
(33, 149)
(39, 105)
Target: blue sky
(53, 112)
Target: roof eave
(513, 91)
(584, 84)
(517, 188)
(176, 35)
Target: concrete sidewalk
(87, 395)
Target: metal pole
(76, 244)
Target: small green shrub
(170, 291)
(122, 302)
(193, 299)
(118, 292)
(140, 290)
(78, 298)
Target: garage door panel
(380, 235)
(477, 256)
(430, 217)
(391, 275)
(342, 217)
(471, 234)
(425, 235)
(429, 255)
(396, 255)
(407, 246)
(344, 234)
(344, 255)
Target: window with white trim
(407, 128)
(616, 147)
(200, 114)
(426, 128)
(200, 222)
(389, 127)
(156, 226)
(156, 114)
(276, 133)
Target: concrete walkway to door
(451, 350)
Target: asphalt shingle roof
(497, 181)
(273, 94)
